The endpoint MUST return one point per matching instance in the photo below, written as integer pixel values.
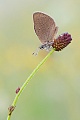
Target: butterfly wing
(44, 27)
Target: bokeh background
(54, 92)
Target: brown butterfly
(45, 28)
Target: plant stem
(28, 79)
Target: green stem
(28, 79)
(8, 118)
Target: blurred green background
(54, 92)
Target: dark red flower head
(62, 41)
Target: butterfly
(45, 28)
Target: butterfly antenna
(36, 52)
